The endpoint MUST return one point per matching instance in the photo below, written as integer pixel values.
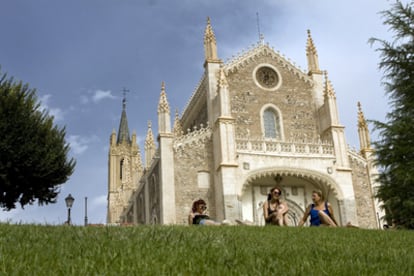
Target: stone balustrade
(249, 145)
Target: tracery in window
(271, 124)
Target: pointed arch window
(271, 124)
(121, 168)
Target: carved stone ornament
(267, 77)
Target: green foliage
(395, 147)
(33, 152)
(222, 250)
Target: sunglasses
(276, 193)
(203, 207)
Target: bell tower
(124, 167)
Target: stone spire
(112, 139)
(149, 146)
(332, 124)
(210, 46)
(163, 106)
(123, 132)
(314, 72)
(177, 129)
(312, 55)
(165, 153)
(363, 132)
(164, 123)
(329, 91)
(330, 100)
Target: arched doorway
(297, 186)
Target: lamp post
(86, 211)
(69, 202)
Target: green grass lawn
(184, 250)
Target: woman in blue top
(320, 211)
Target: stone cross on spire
(124, 91)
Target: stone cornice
(335, 127)
(226, 165)
(219, 61)
(195, 136)
(343, 169)
(224, 120)
(165, 135)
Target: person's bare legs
(211, 222)
(325, 219)
(285, 220)
(278, 220)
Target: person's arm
(190, 218)
(331, 214)
(265, 211)
(305, 216)
(282, 208)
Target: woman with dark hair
(274, 209)
(320, 211)
(198, 214)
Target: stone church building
(252, 123)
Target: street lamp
(86, 211)
(69, 202)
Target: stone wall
(293, 98)
(363, 194)
(192, 156)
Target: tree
(33, 152)
(395, 145)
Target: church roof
(123, 132)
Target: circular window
(267, 77)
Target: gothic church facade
(252, 123)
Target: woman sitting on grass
(198, 214)
(320, 211)
(274, 209)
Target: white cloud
(57, 113)
(99, 95)
(96, 96)
(79, 144)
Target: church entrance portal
(296, 191)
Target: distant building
(253, 123)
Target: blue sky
(80, 54)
